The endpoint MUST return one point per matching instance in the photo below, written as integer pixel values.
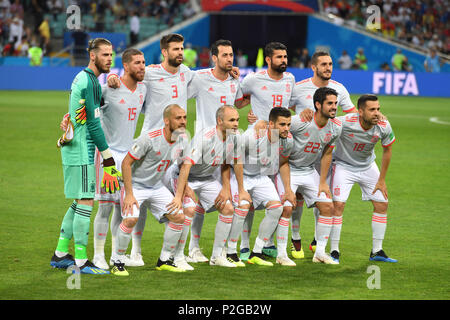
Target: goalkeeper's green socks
(81, 224)
(66, 231)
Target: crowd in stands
(422, 24)
(27, 23)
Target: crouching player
(144, 167)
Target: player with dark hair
(78, 159)
(267, 89)
(355, 163)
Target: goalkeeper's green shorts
(79, 181)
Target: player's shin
(323, 230)
(221, 233)
(179, 250)
(116, 219)
(247, 229)
(66, 231)
(268, 226)
(101, 225)
(296, 219)
(379, 222)
(335, 234)
(282, 236)
(196, 228)
(236, 228)
(138, 231)
(171, 236)
(81, 224)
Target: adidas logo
(264, 88)
(210, 89)
(122, 101)
(161, 80)
(158, 153)
(308, 96)
(351, 135)
(306, 134)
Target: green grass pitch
(32, 205)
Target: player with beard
(78, 153)
(119, 114)
(302, 103)
(267, 89)
(313, 141)
(212, 88)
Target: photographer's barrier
(357, 82)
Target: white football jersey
(267, 93)
(207, 151)
(210, 94)
(310, 141)
(303, 93)
(153, 155)
(119, 114)
(262, 156)
(164, 88)
(355, 147)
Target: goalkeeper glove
(81, 112)
(111, 176)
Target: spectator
(345, 61)
(360, 60)
(21, 48)
(55, 7)
(16, 30)
(190, 56)
(433, 63)
(134, 28)
(35, 54)
(241, 59)
(16, 9)
(397, 60)
(44, 31)
(385, 66)
(204, 58)
(406, 66)
(305, 59)
(188, 11)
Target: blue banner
(357, 82)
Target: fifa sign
(396, 83)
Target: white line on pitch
(436, 120)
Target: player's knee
(176, 218)
(380, 207)
(338, 208)
(130, 222)
(244, 205)
(189, 212)
(326, 208)
(228, 210)
(287, 212)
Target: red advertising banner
(306, 6)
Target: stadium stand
(422, 25)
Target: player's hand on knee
(323, 187)
(128, 202)
(222, 198)
(113, 81)
(189, 193)
(289, 196)
(244, 195)
(175, 206)
(381, 185)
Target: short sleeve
(388, 136)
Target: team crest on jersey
(327, 138)
(182, 76)
(288, 87)
(374, 139)
(233, 88)
(337, 191)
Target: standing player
(312, 141)
(78, 160)
(212, 88)
(210, 148)
(143, 168)
(302, 103)
(267, 89)
(119, 115)
(355, 163)
(263, 149)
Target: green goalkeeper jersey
(87, 136)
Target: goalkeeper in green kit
(84, 133)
